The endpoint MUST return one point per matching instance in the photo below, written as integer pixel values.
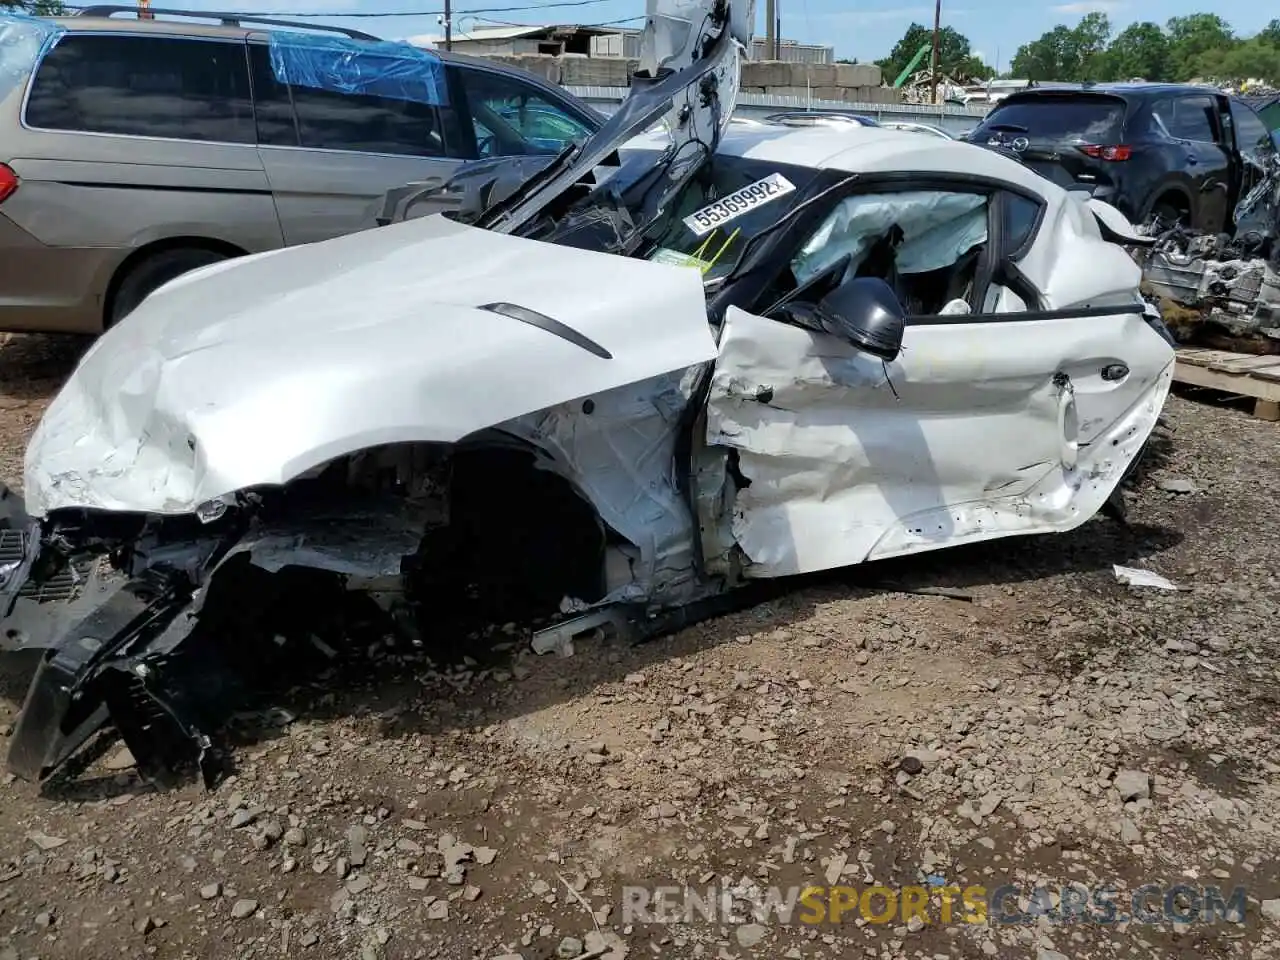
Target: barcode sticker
(741, 201)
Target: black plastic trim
(1025, 316)
(162, 188)
(540, 320)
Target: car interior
(925, 244)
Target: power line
(332, 15)
(514, 23)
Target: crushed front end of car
(101, 607)
(223, 488)
(421, 431)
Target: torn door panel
(833, 459)
(845, 459)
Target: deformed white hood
(254, 371)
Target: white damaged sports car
(612, 393)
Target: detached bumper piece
(113, 666)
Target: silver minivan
(132, 151)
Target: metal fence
(953, 119)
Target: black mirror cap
(867, 313)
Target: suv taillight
(8, 182)
(1107, 153)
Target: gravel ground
(1045, 725)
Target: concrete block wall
(845, 94)
(849, 82)
(777, 73)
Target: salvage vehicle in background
(821, 118)
(132, 151)
(614, 394)
(1179, 153)
(913, 127)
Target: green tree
(1253, 59)
(1198, 44)
(1043, 59)
(955, 57)
(1066, 53)
(1270, 34)
(42, 8)
(1139, 51)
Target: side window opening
(1161, 118)
(1193, 119)
(1252, 136)
(926, 244)
(176, 88)
(513, 118)
(1019, 217)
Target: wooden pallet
(1240, 373)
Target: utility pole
(937, 32)
(777, 31)
(448, 25)
(770, 34)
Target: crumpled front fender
(426, 332)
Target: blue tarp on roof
(383, 68)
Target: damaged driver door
(974, 425)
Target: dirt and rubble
(1006, 714)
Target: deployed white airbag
(938, 228)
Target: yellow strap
(719, 253)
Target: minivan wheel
(154, 272)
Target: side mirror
(865, 312)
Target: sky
(995, 28)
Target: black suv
(1181, 153)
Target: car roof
(875, 150)
(79, 24)
(249, 29)
(1125, 90)
(867, 150)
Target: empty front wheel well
(519, 540)
(149, 252)
(507, 540)
(1172, 198)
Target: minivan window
(328, 120)
(1081, 119)
(512, 117)
(182, 88)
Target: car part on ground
(614, 391)
(1216, 292)
(1223, 290)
